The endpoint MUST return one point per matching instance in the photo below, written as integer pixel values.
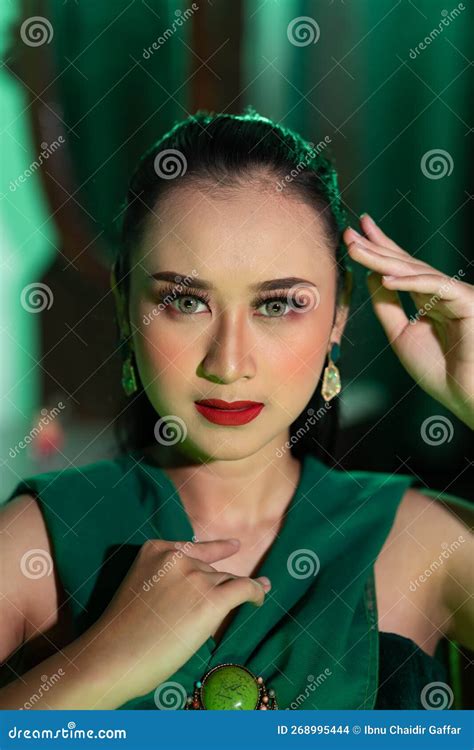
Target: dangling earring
(332, 379)
(129, 381)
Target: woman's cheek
(301, 357)
(161, 356)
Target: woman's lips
(224, 413)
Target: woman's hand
(436, 346)
(167, 606)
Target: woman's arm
(77, 678)
(29, 609)
(445, 545)
(458, 592)
(436, 346)
(29, 602)
(424, 572)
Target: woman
(224, 533)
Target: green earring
(332, 378)
(129, 381)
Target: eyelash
(204, 297)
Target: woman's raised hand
(436, 346)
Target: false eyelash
(171, 291)
(204, 297)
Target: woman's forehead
(247, 229)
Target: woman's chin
(221, 445)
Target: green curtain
(119, 92)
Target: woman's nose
(230, 354)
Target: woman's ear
(343, 307)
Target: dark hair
(228, 151)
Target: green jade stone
(230, 688)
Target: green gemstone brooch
(231, 687)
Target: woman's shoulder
(83, 508)
(74, 488)
(424, 566)
(33, 598)
(55, 529)
(422, 523)
(406, 490)
(72, 477)
(417, 538)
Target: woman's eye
(187, 303)
(275, 307)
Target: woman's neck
(240, 494)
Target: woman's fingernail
(368, 216)
(265, 581)
(356, 232)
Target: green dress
(315, 640)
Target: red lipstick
(229, 413)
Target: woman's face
(236, 346)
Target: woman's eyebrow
(263, 286)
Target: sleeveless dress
(315, 640)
